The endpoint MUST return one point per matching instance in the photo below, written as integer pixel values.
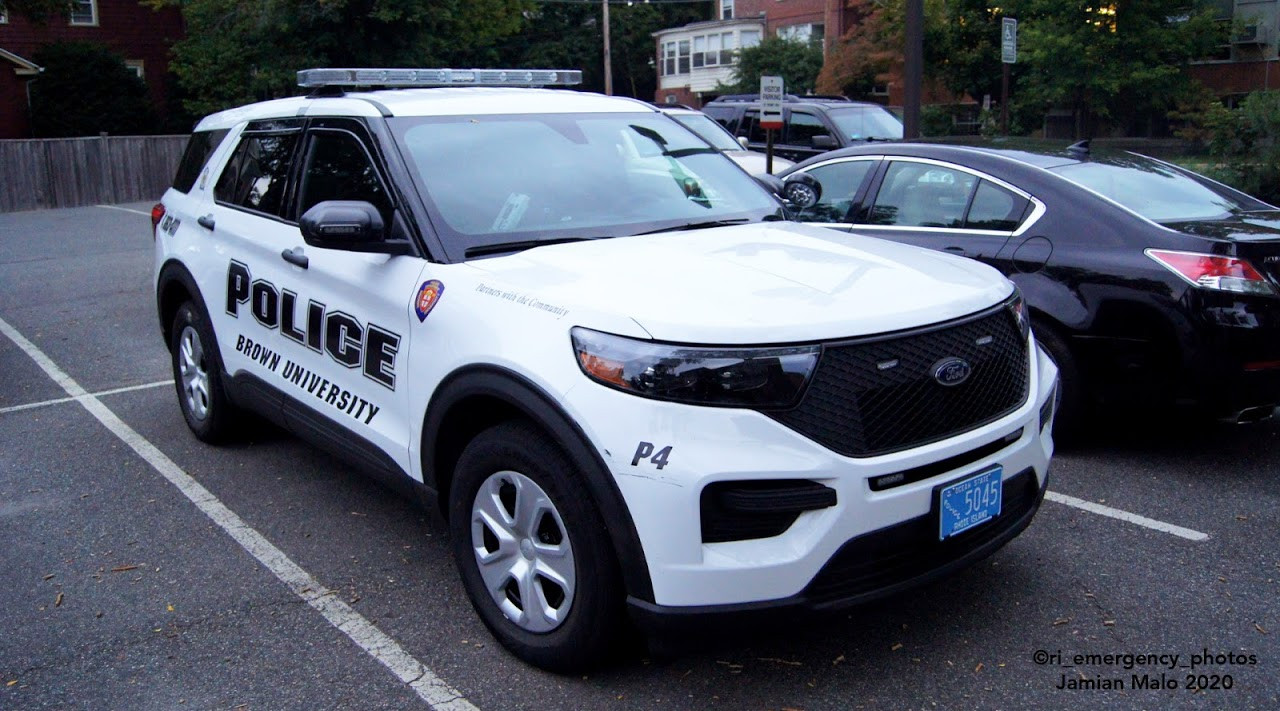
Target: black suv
(811, 124)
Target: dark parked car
(1148, 283)
(810, 124)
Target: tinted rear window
(199, 148)
(1154, 191)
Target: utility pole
(913, 69)
(608, 60)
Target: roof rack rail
(405, 78)
(789, 98)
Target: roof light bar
(314, 78)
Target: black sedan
(1148, 284)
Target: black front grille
(879, 395)
(910, 549)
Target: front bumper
(870, 567)
(809, 564)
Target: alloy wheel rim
(194, 375)
(523, 552)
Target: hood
(754, 284)
(1243, 227)
(754, 162)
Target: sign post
(1008, 55)
(771, 92)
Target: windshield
(711, 132)
(490, 180)
(866, 122)
(1155, 191)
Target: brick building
(1249, 62)
(139, 34)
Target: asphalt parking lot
(145, 570)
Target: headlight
(1019, 309)
(727, 377)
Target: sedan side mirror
(352, 225)
(824, 142)
(742, 141)
(801, 191)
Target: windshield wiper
(517, 246)
(699, 225)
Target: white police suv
(637, 393)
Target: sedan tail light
(1211, 271)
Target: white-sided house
(694, 59)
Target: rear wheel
(197, 373)
(533, 551)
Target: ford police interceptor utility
(636, 394)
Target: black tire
(208, 413)
(1072, 397)
(593, 629)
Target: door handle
(295, 257)
(205, 222)
(956, 250)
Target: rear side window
(257, 173)
(995, 208)
(199, 147)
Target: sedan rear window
(1150, 189)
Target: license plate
(969, 503)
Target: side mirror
(352, 225)
(824, 142)
(801, 191)
(742, 141)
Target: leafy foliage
(1245, 143)
(796, 61)
(239, 51)
(1121, 64)
(86, 89)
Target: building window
(668, 58)
(84, 12)
(726, 9)
(138, 68)
(803, 33)
(750, 38)
(683, 57)
(4, 14)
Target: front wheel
(533, 551)
(197, 373)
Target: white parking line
(1151, 523)
(125, 209)
(376, 643)
(100, 393)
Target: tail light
(157, 214)
(1211, 271)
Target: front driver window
(840, 183)
(338, 168)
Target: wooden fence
(67, 172)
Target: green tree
(238, 51)
(796, 61)
(1121, 64)
(86, 89)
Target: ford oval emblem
(951, 371)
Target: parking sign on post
(1008, 55)
(771, 89)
